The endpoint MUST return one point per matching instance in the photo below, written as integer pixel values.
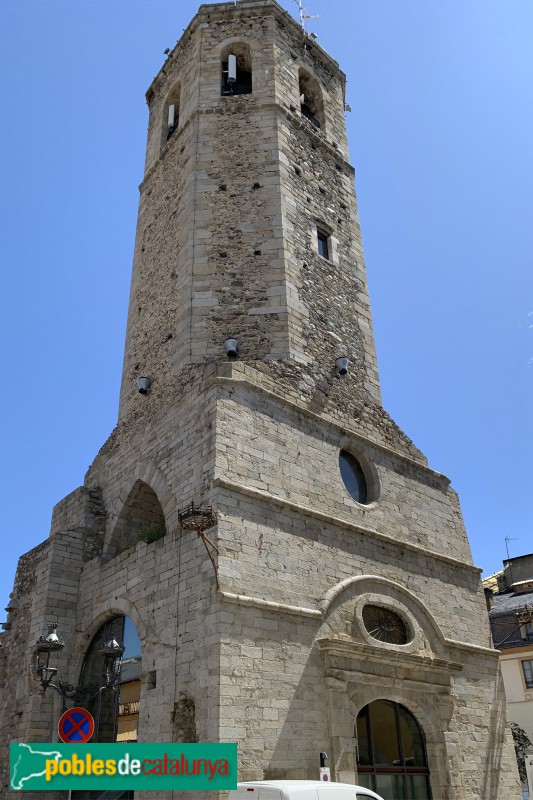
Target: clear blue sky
(441, 136)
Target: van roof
(293, 784)
(290, 787)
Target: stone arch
(393, 594)
(433, 714)
(120, 606)
(115, 710)
(311, 98)
(242, 81)
(145, 502)
(141, 519)
(425, 713)
(171, 114)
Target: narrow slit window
(323, 244)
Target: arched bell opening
(236, 69)
(171, 114)
(311, 102)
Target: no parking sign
(76, 726)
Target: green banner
(42, 767)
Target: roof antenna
(507, 540)
(303, 15)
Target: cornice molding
(338, 522)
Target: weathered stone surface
(271, 651)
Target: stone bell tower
(335, 605)
(240, 186)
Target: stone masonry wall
(46, 589)
(276, 656)
(161, 239)
(166, 587)
(288, 457)
(224, 238)
(276, 704)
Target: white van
(300, 790)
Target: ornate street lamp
(110, 650)
(45, 646)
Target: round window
(384, 625)
(353, 476)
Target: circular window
(385, 625)
(353, 476)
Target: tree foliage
(522, 743)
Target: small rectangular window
(323, 244)
(527, 666)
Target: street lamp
(111, 651)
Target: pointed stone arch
(141, 519)
(143, 511)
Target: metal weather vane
(303, 14)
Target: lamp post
(111, 651)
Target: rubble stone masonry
(271, 651)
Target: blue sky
(441, 134)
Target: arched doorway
(391, 752)
(115, 711)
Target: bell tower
(332, 605)
(247, 224)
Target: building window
(391, 752)
(527, 667)
(353, 477)
(323, 245)
(385, 625)
(236, 75)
